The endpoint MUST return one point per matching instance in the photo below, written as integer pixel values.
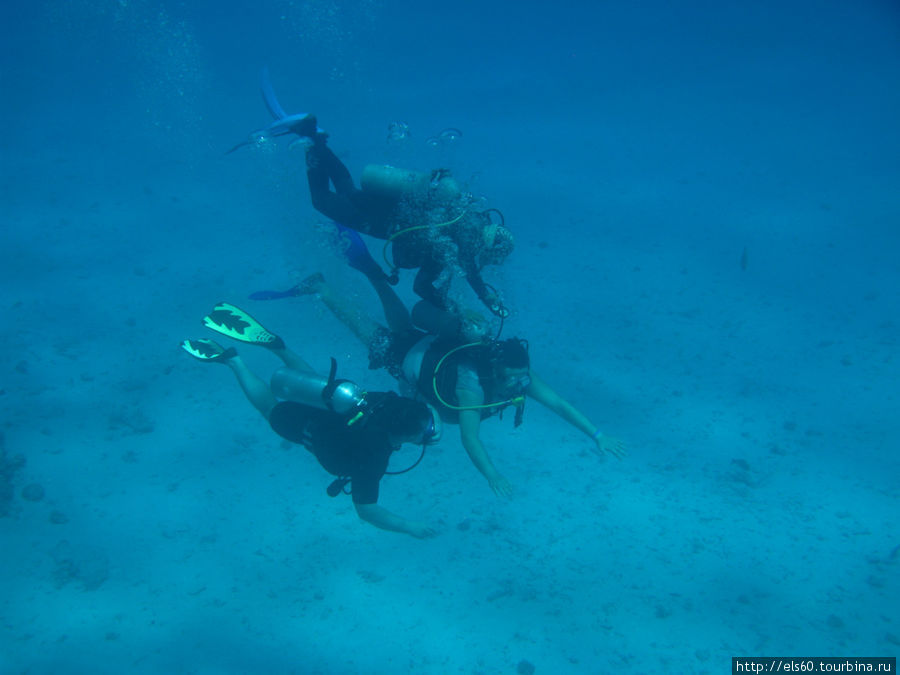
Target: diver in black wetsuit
(351, 433)
(425, 216)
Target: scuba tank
(340, 396)
(393, 183)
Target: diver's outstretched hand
(501, 486)
(613, 446)
(421, 530)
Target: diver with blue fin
(425, 218)
(351, 432)
(467, 376)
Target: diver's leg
(395, 312)
(292, 360)
(208, 351)
(255, 389)
(434, 320)
(321, 166)
(336, 169)
(358, 257)
(364, 328)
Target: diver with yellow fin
(351, 432)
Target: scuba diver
(352, 433)
(424, 217)
(465, 378)
(430, 224)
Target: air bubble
(397, 131)
(450, 135)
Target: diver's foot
(306, 126)
(357, 254)
(310, 285)
(208, 350)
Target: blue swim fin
(274, 295)
(308, 286)
(356, 252)
(301, 124)
(269, 97)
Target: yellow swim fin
(208, 350)
(237, 324)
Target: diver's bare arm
(469, 426)
(383, 519)
(541, 392)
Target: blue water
(706, 205)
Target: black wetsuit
(348, 205)
(360, 452)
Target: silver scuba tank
(340, 396)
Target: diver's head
(496, 244)
(409, 421)
(510, 365)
